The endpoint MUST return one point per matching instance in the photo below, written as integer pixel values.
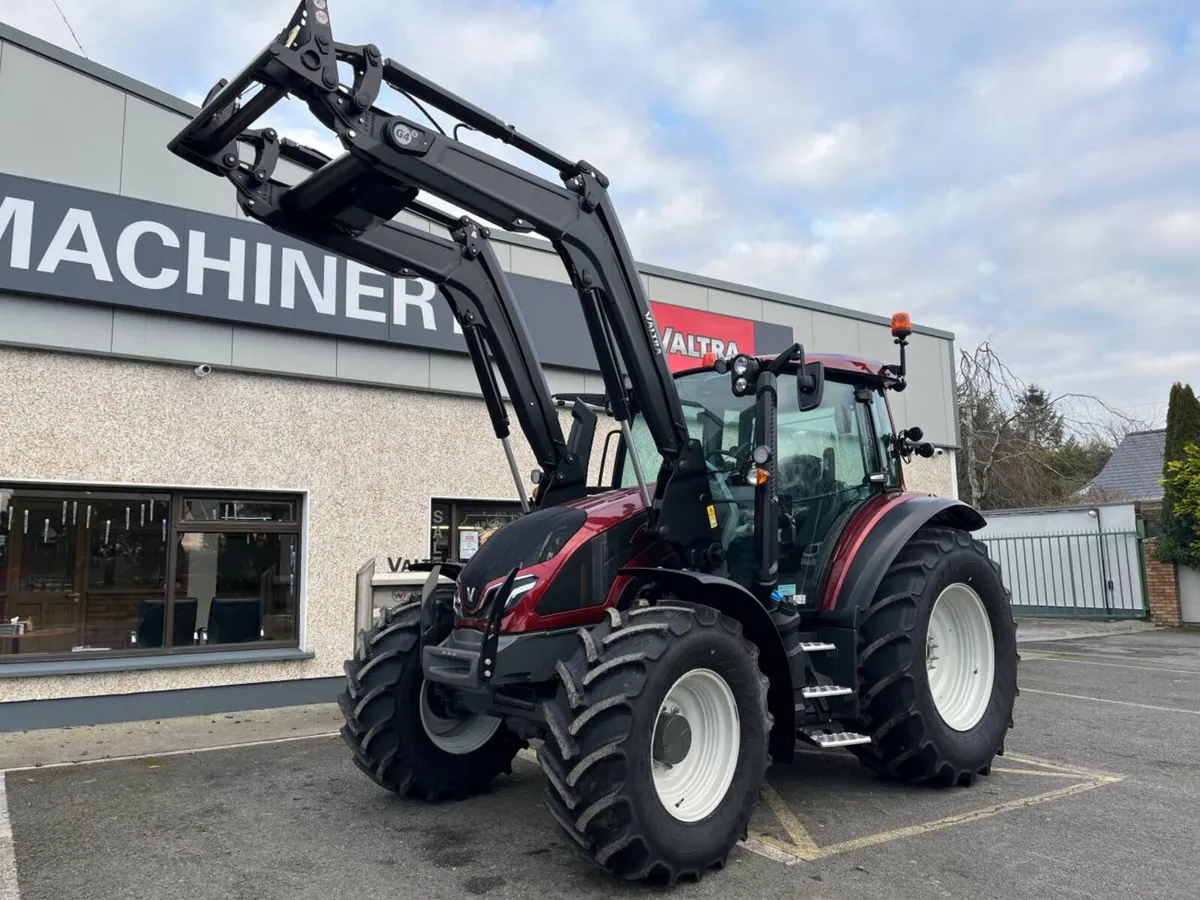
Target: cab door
(826, 459)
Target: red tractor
(755, 574)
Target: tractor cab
(832, 457)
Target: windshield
(825, 456)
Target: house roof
(1135, 469)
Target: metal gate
(1091, 575)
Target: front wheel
(937, 662)
(658, 742)
(404, 732)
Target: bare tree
(1024, 446)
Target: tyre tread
(602, 681)
(901, 748)
(386, 654)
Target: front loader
(753, 575)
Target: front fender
(876, 537)
(735, 601)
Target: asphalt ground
(1097, 796)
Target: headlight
(521, 587)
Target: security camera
(938, 451)
(202, 370)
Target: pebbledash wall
(340, 423)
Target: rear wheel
(658, 742)
(937, 662)
(404, 732)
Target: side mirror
(810, 385)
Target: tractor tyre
(937, 663)
(402, 736)
(657, 742)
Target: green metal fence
(1092, 575)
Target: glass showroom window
(457, 528)
(103, 573)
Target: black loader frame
(345, 206)
(842, 676)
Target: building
(208, 429)
(1134, 472)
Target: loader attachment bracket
(432, 623)
(491, 631)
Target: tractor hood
(566, 558)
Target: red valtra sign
(689, 334)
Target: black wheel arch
(888, 536)
(731, 599)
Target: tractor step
(825, 690)
(828, 740)
(816, 646)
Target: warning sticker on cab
(712, 516)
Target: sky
(1025, 173)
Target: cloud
(1025, 172)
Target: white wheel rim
(695, 785)
(456, 735)
(959, 657)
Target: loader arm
(399, 157)
(466, 271)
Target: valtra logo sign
(689, 334)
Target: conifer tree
(1179, 530)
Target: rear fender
(733, 600)
(873, 544)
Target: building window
(458, 528)
(114, 573)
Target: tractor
(753, 576)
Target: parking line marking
(1173, 709)
(147, 755)
(964, 818)
(9, 890)
(804, 849)
(1057, 767)
(790, 852)
(776, 851)
(803, 845)
(1059, 657)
